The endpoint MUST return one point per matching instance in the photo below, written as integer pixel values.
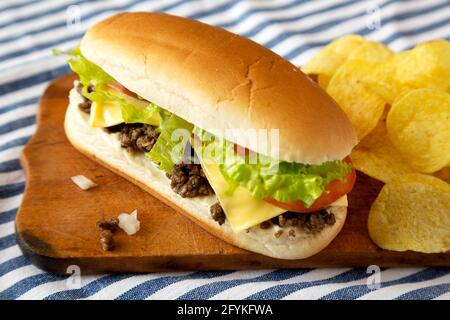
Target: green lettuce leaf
(169, 148)
(133, 110)
(88, 72)
(269, 178)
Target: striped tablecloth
(296, 29)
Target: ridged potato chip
(332, 56)
(377, 157)
(412, 213)
(426, 179)
(399, 104)
(426, 66)
(363, 107)
(371, 51)
(418, 124)
(381, 79)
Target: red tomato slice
(334, 190)
(122, 89)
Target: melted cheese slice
(241, 209)
(105, 115)
(110, 113)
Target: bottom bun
(105, 148)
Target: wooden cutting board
(56, 221)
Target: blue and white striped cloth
(296, 29)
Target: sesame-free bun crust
(218, 80)
(105, 149)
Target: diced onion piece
(129, 222)
(83, 182)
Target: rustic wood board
(56, 222)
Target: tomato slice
(121, 88)
(334, 190)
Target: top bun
(218, 80)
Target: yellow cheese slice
(110, 113)
(241, 209)
(105, 115)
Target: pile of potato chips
(399, 105)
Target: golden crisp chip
(381, 79)
(412, 214)
(377, 157)
(418, 124)
(427, 65)
(332, 56)
(425, 179)
(363, 107)
(371, 51)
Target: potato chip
(377, 157)
(418, 124)
(425, 179)
(381, 79)
(427, 65)
(332, 56)
(371, 51)
(412, 214)
(363, 107)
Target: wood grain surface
(56, 223)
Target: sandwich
(218, 127)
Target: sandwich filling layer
(203, 183)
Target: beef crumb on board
(111, 224)
(189, 180)
(107, 240)
(107, 227)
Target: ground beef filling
(137, 137)
(189, 180)
(134, 137)
(85, 106)
(309, 223)
(217, 213)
